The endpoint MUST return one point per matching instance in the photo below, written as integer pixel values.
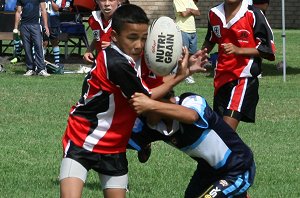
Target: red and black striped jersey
(247, 29)
(102, 119)
(101, 28)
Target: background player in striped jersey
(53, 7)
(100, 23)
(225, 164)
(244, 37)
(100, 124)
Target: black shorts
(54, 33)
(108, 164)
(238, 99)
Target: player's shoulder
(91, 19)
(95, 19)
(115, 60)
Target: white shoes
(29, 73)
(190, 80)
(41, 73)
(44, 73)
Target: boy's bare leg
(232, 122)
(71, 187)
(114, 193)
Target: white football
(163, 46)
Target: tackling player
(225, 166)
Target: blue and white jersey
(53, 16)
(210, 141)
(49, 8)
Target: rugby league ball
(163, 46)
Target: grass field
(34, 111)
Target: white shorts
(71, 168)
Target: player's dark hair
(169, 95)
(129, 13)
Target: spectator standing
(185, 12)
(100, 23)
(29, 13)
(244, 37)
(53, 7)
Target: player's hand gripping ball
(163, 47)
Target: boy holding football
(244, 37)
(225, 164)
(100, 124)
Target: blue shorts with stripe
(220, 186)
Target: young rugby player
(52, 7)
(225, 166)
(244, 37)
(100, 124)
(100, 23)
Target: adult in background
(29, 12)
(185, 12)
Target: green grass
(34, 111)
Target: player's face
(131, 39)
(108, 7)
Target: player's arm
(209, 42)
(173, 80)
(143, 105)
(264, 37)
(229, 48)
(45, 17)
(208, 45)
(55, 6)
(186, 66)
(18, 16)
(88, 55)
